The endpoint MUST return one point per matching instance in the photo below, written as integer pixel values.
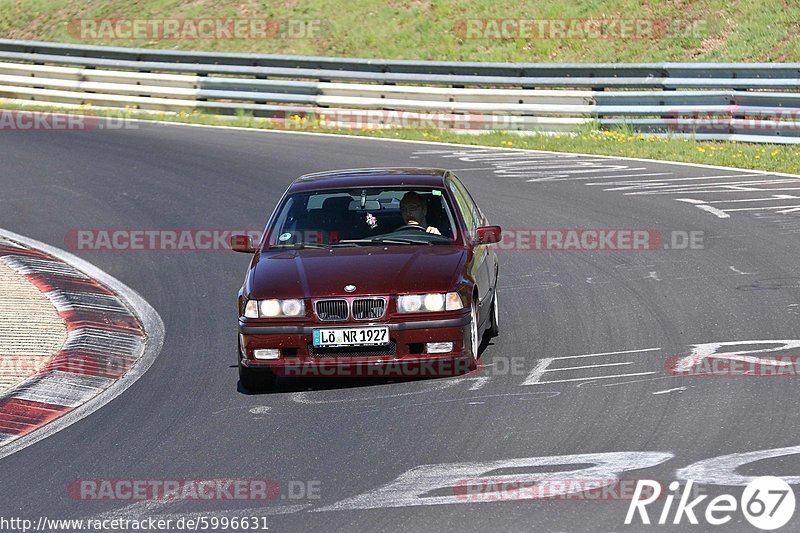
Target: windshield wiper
(381, 240)
(300, 245)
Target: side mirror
(488, 234)
(242, 243)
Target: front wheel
(474, 335)
(494, 325)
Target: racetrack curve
(186, 418)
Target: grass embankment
(722, 30)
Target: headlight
(270, 308)
(274, 308)
(410, 303)
(292, 307)
(432, 302)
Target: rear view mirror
(488, 234)
(242, 243)
(369, 205)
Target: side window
(477, 215)
(465, 208)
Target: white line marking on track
(676, 389)
(772, 198)
(559, 177)
(435, 484)
(479, 382)
(724, 470)
(714, 211)
(739, 186)
(669, 182)
(538, 371)
(690, 201)
(542, 367)
(588, 366)
(571, 172)
(607, 353)
(592, 378)
(788, 207)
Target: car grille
(352, 351)
(331, 309)
(368, 309)
(342, 309)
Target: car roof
(370, 177)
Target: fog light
(438, 347)
(267, 353)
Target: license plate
(373, 336)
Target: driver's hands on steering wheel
(430, 229)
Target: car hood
(372, 269)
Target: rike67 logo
(767, 503)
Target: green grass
(769, 157)
(727, 30)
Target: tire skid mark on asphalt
(429, 386)
(504, 395)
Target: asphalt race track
(627, 312)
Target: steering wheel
(411, 226)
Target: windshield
(364, 216)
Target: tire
(494, 326)
(255, 380)
(474, 336)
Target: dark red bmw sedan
(380, 272)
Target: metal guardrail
(711, 101)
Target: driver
(413, 209)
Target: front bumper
(405, 356)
